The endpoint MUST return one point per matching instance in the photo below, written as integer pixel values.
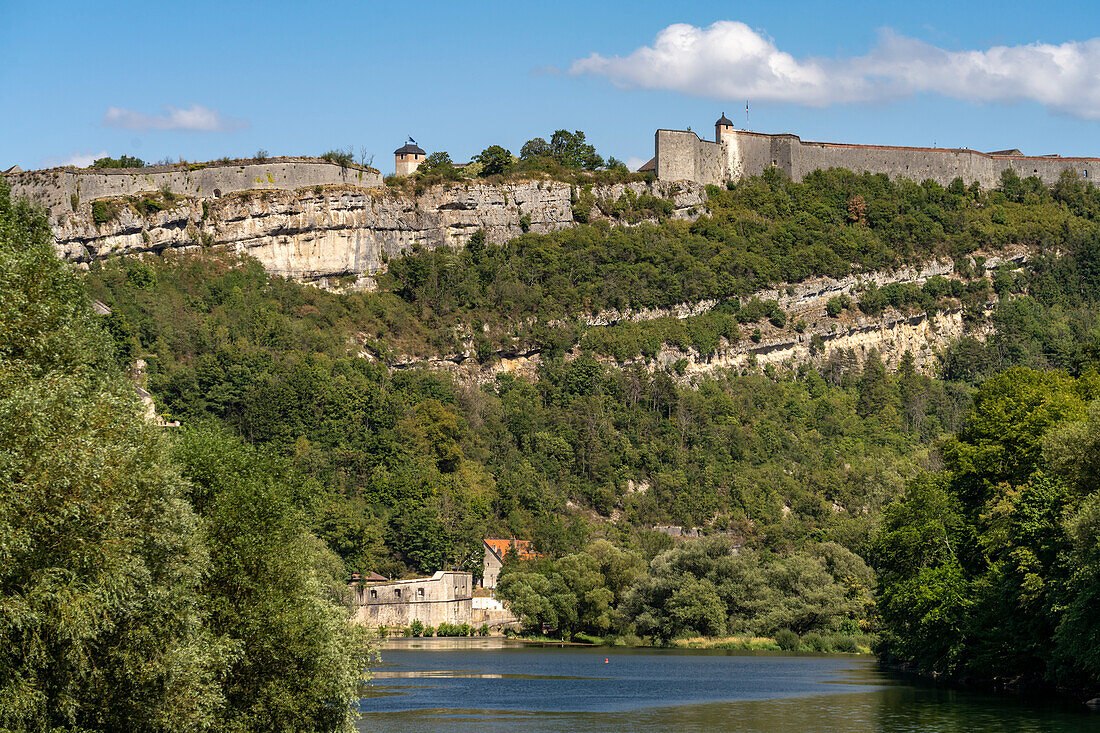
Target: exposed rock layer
(324, 231)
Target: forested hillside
(404, 470)
(147, 581)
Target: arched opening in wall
(217, 193)
(775, 162)
(1035, 172)
(1085, 173)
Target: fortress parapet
(680, 155)
(58, 188)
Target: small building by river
(446, 597)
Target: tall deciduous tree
(100, 555)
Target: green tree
(494, 160)
(100, 555)
(571, 150)
(274, 593)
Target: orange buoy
(606, 660)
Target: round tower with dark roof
(407, 158)
(723, 128)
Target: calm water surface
(488, 685)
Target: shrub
(845, 643)
(416, 628)
(343, 158)
(817, 643)
(104, 211)
(429, 631)
(124, 161)
(787, 640)
(483, 630)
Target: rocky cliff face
(325, 231)
(851, 336)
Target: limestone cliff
(323, 231)
(852, 335)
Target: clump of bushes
(123, 161)
(104, 211)
(343, 158)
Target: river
(491, 685)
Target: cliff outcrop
(324, 231)
(852, 336)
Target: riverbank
(790, 642)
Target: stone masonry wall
(681, 155)
(54, 188)
(446, 597)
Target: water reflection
(486, 685)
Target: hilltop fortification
(680, 155)
(69, 189)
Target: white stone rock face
(326, 231)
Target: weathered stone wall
(446, 597)
(677, 155)
(681, 157)
(54, 188)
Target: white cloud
(729, 60)
(194, 118)
(634, 162)
(80, 160)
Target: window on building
(420, 592)
(397, 592)
(1085, 173)
(373, 593)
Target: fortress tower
(407, 158)
(723, 129)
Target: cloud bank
(194, 118)
(729, 60)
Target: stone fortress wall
(680, 155)
(54, 188)
(446, 597)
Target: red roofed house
(496, 551)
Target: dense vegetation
(760, 232)
(123, 161)
(146, 583)
(310, 455)
(566, 157)
(990, 568)
(410, 469)
(703, 588)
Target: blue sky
(200, 80)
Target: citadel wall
(682, 155)
(54, 188)
(446, 597)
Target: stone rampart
(683, 156)
(446, 597)
(54, 188)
